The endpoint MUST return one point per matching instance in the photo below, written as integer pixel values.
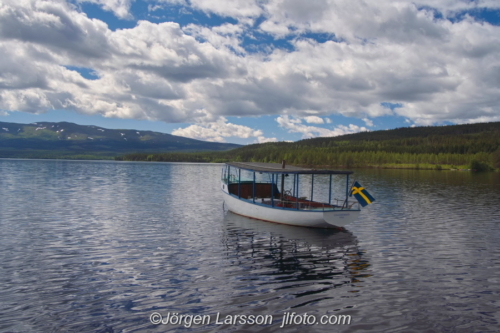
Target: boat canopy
(277, 168)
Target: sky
(250, 71)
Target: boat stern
(340, 218)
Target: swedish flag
(364, 198)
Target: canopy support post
(253, 190)
(330, 191)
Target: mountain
(69, 140)
(433, 147)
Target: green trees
(496, 158)
(424, 148)
(479, 166)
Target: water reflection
(99, 246)
(307, 263)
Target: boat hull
(304, 218)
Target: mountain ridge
(69, 140)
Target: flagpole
(347, 196)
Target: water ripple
(99, 246)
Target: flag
(364, 198)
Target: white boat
(288, 194)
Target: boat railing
(304, 205)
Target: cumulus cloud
(294, 125)
(368, 122)
(314, 120)
(143, 73)
(234, 8)
(262, 139)
(396, 52)
(218, 130)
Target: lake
(104, 246)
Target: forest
(469, 146)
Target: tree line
(458, 146)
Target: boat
(289, 194)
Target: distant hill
(432, 147)
(455, 139)
(421, 132)
(69, 140)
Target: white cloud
(233, 8)
(274, 28)
(368, 122)
(218, 130)
(314, 120)
(225, 36)
(392, 52)
(294, 125)
(262, 139)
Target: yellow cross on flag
(364, 198)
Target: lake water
(100, 246)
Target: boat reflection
(306, 264)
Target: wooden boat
(288, 194)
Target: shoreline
(402, 166)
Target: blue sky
(247, 71)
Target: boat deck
(302, 204)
